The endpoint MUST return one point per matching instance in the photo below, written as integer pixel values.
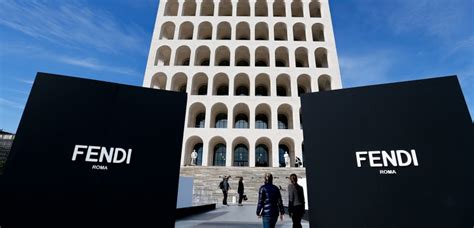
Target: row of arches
(242, 31)
(242, 85)
(222, 57)
(260, 154)
(243, 8)
(240, 117)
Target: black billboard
(94, 154)
(393, 155)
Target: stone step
(206, 181)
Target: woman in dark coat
(240, 190)
(296, 201)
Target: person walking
(269, 204)
(240, 190)
(225, 187)
(296, 203)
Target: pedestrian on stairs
(225, 187)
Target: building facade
(244, 65)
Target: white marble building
(243, 64)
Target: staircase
(207, 179)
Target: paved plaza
(230, 216)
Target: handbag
(245, 197)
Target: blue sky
(377, 42)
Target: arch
(202, 56)
(182, 56)
(193, 143)
(240, 153)
(321, 57)
(242, 56)
(281, 57)
(171, 8)
(158, 81)
(261, 31)
(219, 150)
(324, 83)
(186, 31)
(243, 8)
(241, 85)
(280, 31)
(207, 8)
(297, 8)
(196, 115)
(262, 85)
(221, 85)
(263, 155)
(205, 31)
(219, 116)
(262, 58)
(263, 117)
(179, 82)
(241, 116)
(167, 31)
(199, 84)
(224, 31)
(189, 8)
(286, 145)
(225, 8)
(314, 8)
(222, 57)
(243, 31)
(163, 55)
(283, 85)
(304, 84)
(285, 117)
(301, 57)
(299, 32)
(279, 9)
(261, 8)
(318, 32)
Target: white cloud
(94, 64)
(8, 103)
(72, 24)
(29, 82)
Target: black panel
(429, 116)
(42, 185)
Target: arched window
(304, 84)
(262, 58)
(207, 8)
(297, 8)
(242, 56)
(285, 117)
(219, 155)
(282, 122)
(224, 31)
(182, 56)
(171, 8)
(281, 57)
(241, 121)
(158, 81)
(242, 84)
(318, 32)
(243, 8)
(283, 85)
(280, 31)
(225, 8)
(241, 155)
(179, 82)
(189, 8)
(301, 57)
(163, 55)
(261, 121)
(202, 56)
(222, 57)
(299, 32)
(243, 31)
(221, 85)
(281, 154)
(198, 148)
(261, 31)
(315, 9)
(261, 156)
(167, 31)
(200, 120)
(324, 83)
(279, 8)
(205, 31)
(186, 31)
(221, 120)
(261, 8)
(199, 84)
(242, 91)
(321, 58)
(262, 85)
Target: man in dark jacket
(224, 185)
(269, 204)
(296, 201)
